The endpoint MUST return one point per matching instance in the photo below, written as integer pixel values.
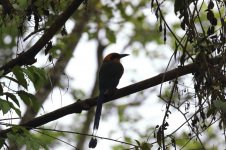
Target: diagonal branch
(28, 57)
(56, 72)
(81, 105)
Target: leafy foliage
(38, 78)
(22, 137)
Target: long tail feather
(93, 141)
(98, 110)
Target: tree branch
(28, 57)
(56, 72)
(81, 105)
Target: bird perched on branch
(109, 75)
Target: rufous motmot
(109, 75)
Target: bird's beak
(123, 55)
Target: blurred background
(70, 63)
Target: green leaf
(110, 35)
(211, 111)
(138, 143)
(29, 74)
(220, 105)
(29, 100)
(4, 106)
(38, 71)
(21, 137)
(2, 142)
(15, 109)
(25, 98)
(38, 76)
(33, 145)
(12, 97)
(146, 146)
(35, 104)
(18, 112)
(18, 72)
(159, 137)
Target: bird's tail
(93, 141)
(98, 110)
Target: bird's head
(114, 57)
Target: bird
(110, 73)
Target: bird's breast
(110, 74)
